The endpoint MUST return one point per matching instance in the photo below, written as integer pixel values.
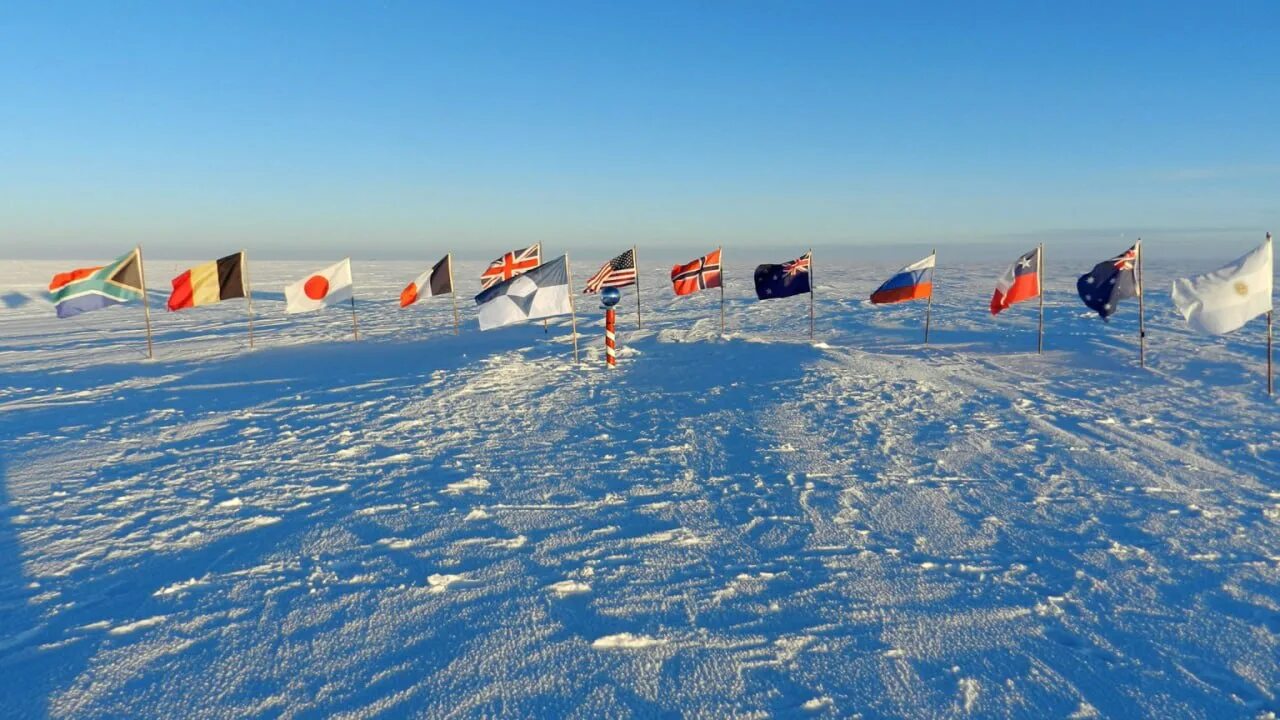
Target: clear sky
(390, 130)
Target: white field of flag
(323, 287)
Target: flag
(698, 275)
(94, 288)
(436, 281)
(511, 265)
(618, 272)
(909, 283)
(1109, 282)
(222, 279)
(323, 287)
(1020, 282)
(1227, 298)
(785, 280)
(539, 293)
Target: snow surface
(434, 525)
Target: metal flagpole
(635, 259)
(248, 290)
(928, 306)
(721, 252)
(1142, 313)
(573, 313)
(355, 327)
(454, 292)
(810, 294)
(1040, 287)
(1271, 382)
(146, 306)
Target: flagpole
(635, 258)
(454, 292)
(1142, 312)
(721, 249)
(248, 290)
(928, 305)
(573, 313)
(1040, 287)
(810, 294)
(1271, 382)
(355, 327)
(146, 306)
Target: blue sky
(394, 130)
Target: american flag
(618, 272)
(516, 262)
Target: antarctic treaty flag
(1109, 282)
(539, 293)
(94, 288)
(785, 280)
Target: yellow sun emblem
(1242, 288)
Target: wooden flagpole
(355, 327)
(635, 258)
(721, 251)
(573, 313)
(810, 294)
(146, 305)
(1040, 287)
(457, 324)
(248, 290)
(928, 305)
(1142, 312)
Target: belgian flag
(212, 282)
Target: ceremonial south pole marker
(608, 298)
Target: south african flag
(94, 288)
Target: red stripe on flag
(183, 296)
(1025, 287)
(902, 294)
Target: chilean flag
(1020, 282)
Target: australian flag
(785, 280)
(1109, 282)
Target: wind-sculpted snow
(424, 524)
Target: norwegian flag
(618, 272)
(698, 275)
(516, 262)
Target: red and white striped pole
(610, 344)
(608, 298)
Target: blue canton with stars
(1109, 282)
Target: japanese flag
(323, 287)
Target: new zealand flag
(1109, 282)
(785, 280)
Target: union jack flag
(516, 262)
(618, 272)
(797, 266)
(698, 275)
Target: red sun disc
(316, 287)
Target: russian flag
(912, 282)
